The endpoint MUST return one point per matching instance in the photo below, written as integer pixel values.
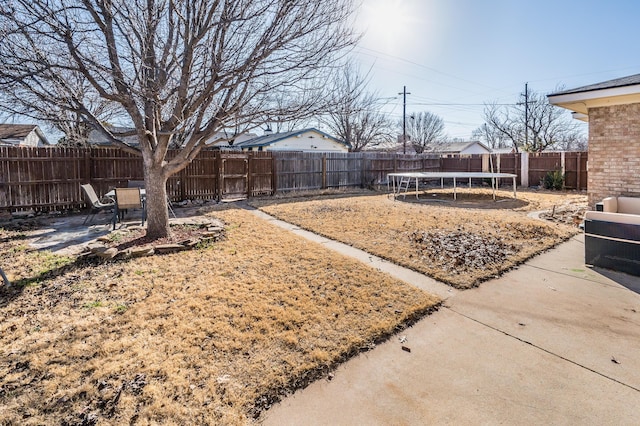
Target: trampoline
(400, 181)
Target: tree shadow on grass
(9, 293)
(327, 194)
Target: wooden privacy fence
(309, 170)
(530, 168)
(50, 178)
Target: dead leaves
(460, 251)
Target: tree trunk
(157, 214)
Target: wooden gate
(234, 175)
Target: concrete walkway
(552, 342)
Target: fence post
(183, 175)
(274, 175)
(220, 175)
(578, 187)
(87, 164)
(249, 177)
(324, 171)
(524, 169)
(563, 168)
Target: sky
(454, 56)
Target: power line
(423, 66)
(454, 104)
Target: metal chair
(95, 203)
(128, 198)
(135, 184)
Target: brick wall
(614, 152)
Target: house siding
(32, 139)
(309, 141)
(474, 149)
(614, 152)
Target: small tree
(355, 117)
(173, 68)
(426, 131)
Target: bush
(553, 180)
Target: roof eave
(580, 102)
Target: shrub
(553, 180)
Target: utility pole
(404, 94)
(526, 115)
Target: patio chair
(95, 203)
(135, 184)
(128, 198)
(140, 184)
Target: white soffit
(581, 102)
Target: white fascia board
(580, 102)
(580, 116)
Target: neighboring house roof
(15, 134)
(228, 140)
(619, 91)
(98, 137)
(270, 139)
(219, 139)
(455, 147)
(505, 150)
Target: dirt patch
(455, 250)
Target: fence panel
(541, 163)
(508, 163)
(112, 168)
(31, 177)
(575, 175)
(461, 163)
(298, 170)
(377, 166)
(261, 176)
(199, 180)
(410, 163)
(342, 169)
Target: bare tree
(16, 101)
(173, 67)
(356, 118)
(533, 124)
(489, 135)
(573, 142)
(426, 131)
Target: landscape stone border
(101, 248)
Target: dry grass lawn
(210, 336)
(461, 242)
